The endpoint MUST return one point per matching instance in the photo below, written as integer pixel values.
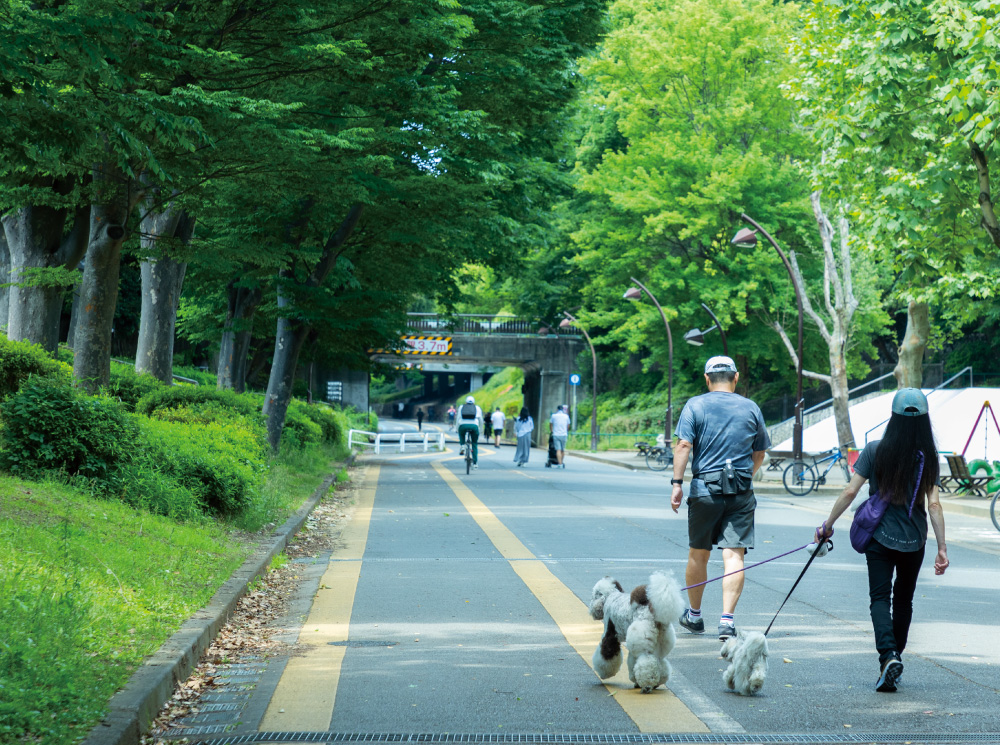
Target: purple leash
(752, 566)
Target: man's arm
(682, 451)
(758, 458)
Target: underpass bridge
(475, 343)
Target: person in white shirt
(559, 429)
(498, 420)
(470, 419)
(523, 426)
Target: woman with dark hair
(523, 426)
(893, 466)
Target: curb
(605, 461)
(136, 705)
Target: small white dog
(642, 620)
(747, 655)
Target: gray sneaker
(695, 626)
(726, 631)
(892, 669)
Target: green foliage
(332, 422)
(221, 464)
(19, 360)
(300, 427)
(199, 404)
(129, 387)
(50, 426)
(503, 389)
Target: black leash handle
(801, 575)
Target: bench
(776, 457)
(961, 479)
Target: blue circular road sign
(574, 379)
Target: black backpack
(468, 411)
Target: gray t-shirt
(898, 530)
(721, 425)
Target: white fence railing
(424, 441)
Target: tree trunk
(909, 370)
(234, 349)
(288, 343)
(74, 316)
(36, 240)
(116, 198)
(162, 279)
(4, 279)
(839, 389)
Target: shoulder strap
(920, 476)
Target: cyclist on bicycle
(470, 419)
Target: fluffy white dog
(747, 655)
(642, 620)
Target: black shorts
(726, 522)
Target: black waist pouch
(721, 485)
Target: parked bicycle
(993, 511)
(800, 477)
(659, 458)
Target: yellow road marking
(660, 711)
(305, 695)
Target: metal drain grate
(363, 643)
(938, 738)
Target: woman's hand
(822, 533)
(941, 561)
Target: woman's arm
(843, 502)
(936, 515)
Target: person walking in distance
(470, 419)
(420, 420)
(559, 431)
(524, 425)
(451, 416)
(724, 436)
(497, 420)
(897, 472)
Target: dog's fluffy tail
(665, 598)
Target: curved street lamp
(633, 293)
(696, 337)
(566, 323)
(748, 238)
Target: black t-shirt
(898, 530)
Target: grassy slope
(89, 588)
(502, 389)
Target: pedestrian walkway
(769, 482)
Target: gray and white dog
(747, 655)
(642, 620)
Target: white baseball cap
(470, 400)
(720, 364)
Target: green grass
(88, 589)
(502, 389)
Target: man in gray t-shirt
(719, 431)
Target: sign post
(574, 380)
(334, 390)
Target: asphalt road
(471, 589)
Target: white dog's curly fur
(747, 655)
(643, 620)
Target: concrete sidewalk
(769, 483)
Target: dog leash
(801, 575)
(752, 566)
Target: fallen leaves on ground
(248, 636)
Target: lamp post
(747, 237)
(696, 337)
(632, 293)
(571, 321)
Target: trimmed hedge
(50, 426)
(19, 360)
(130, 387)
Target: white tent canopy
(953, 413)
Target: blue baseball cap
(909, 402)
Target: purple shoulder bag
(869, 514)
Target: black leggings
(891, 620)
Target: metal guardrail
(359, 438)
(479, 323)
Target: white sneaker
(475, 466)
